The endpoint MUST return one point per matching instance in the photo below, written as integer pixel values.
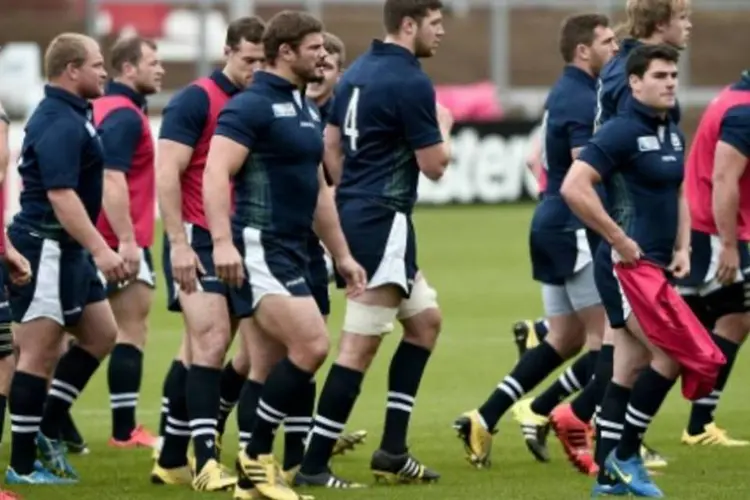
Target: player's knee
(312, 354)
(422, 298)
(241, 361)
(368, 320)
(208, 347)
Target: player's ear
(633, 81)
(227, 50)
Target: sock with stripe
(177, 425)
(27, 395)
(247, 409)
(177, 373)
(202, 406)
(572, 380)
(229, 393)
(649, 392)
(74, 370)
(285, 384)
(609, 425)
(531, 370)
(297, 426)
(124, 378)
(702, 411)
(335, 404)
(590, 398)
(405, 374)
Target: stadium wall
(488, 165)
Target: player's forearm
(726, 199)
(445, 132)
(328, 226)
(334, 164)
(586, 204)
(217, 202)
(116, 203)
(169, 194)
(72, 215)
(4, 150)
(683, 225)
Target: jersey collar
(271, 80)
(379, 47)
(580, 75)
(224, 83)
(76, 102)
(646, 113)
(117, 88)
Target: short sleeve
(580, 126)
(121, 133)
(185, 116)
(610, 149)
(243, 119)
(58, 154)
(418, 111)
(735, 129)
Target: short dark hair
(128, 50)
(577, 30)
(249, 28)
(288, 27)
(641, 57)
(394, 12)
(335, 46)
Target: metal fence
(529, 98)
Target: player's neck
(287, 74)
(123, 81)
(396, 40)
(65, 85)
(583, 67)
(654, 39)
(322, 100)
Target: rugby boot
(39, 475)
(326, 479)
(348, 441)
(712, 435)
(633, 474)
(576, 438)
(177, 476)
(52, 452)
(535, 429)
(9, 495)
(262, 476)
(609, 490)
(213, 477)
(140, 437)
(400, 469)
(652, 459)
(476, 439)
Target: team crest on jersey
(648, 143)
(284, 110)
(676, 142)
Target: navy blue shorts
(609, 289)
(64, 280)
(382, 241)
(274, 266)
(557, 256)
(239, 301)
(709, 299)
(146, 274)
(318, 275)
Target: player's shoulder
(620, 127)
(572, 97)
(51, 115)
(191, 95)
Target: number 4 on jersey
(350, 120)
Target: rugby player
(269, 139)
(640, 155)
(61, 167)
(20, 271)
(560, 254)
(385, 127)
(717, 289)
(210, 309)
(648, 22)
(127, 221)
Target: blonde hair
(64, 49)
(644, 16)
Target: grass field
(477, 259)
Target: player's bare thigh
(261, 350)
(660, 360)
(131, 307)
(208, 327)
(38, 344)
(296, 323)
(630, 357)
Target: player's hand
(680, 265)
(627, 250)
(112, 265)
(185, 267)
(229, 266)
(729, 263)
(354, 275)
(131, 254)
(19, 268)
(444, 116)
